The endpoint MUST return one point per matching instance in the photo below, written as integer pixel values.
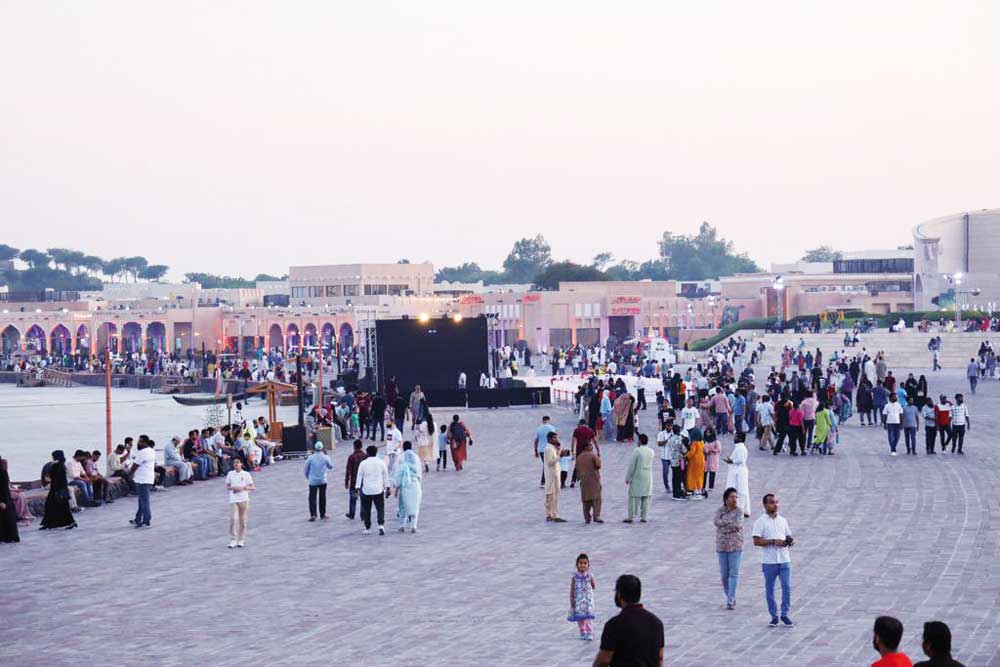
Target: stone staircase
(907, 349)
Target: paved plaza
(485, 581)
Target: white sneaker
(892, 453)
(240, 543)
(232, 543)
(381, 530)
(366, 531)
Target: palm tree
(35, 258)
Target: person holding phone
(771, 532)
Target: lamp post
(779, 285)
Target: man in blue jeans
(892, 418)
(771, 532)
(143, 474)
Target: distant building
(963, 243)
(342, 284)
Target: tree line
(700, 256)
(67, 269)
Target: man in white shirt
(893, 412)
(689, 417)
(771, 532)
(461, 381)
(393, 445)
(239, 483)
(143, 475)
(959, 423)
(662, 439)
(373, 485)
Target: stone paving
(485, 580)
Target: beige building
(343, 284)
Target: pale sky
(244, 137)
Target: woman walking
(729, 543)
(695, 479)
(713, 448)
(8, 513)
(57, 512)
(409, 490)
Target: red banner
(531, 298)
(625, 310)
(469, 299)
(627, 299)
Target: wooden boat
(204, 399)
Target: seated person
(173, 459)
(97, 480)
(262, 439)
(75, 476)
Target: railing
(57, 378)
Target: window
(333, 290)
(298, 292)
(398, 290)
(350, 290)
(316, 290)
(897, 265)
(375, 290)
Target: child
(355, 423)
(442, 448)
(581, 598)
(564, 464)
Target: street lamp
(779, 285)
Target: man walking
(639, 479)
(972, 373)
(239, 483)
(588, 471)
(771, 532)
(553, 452)
(960, 423)
(893, 415)
(143, 475)
(351, 477)
(634, 636)
(315, 472)
(678, 450)
(373, 485)
(887, 634)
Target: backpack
(458, 431)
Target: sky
(245, 137)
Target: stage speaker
(293, 440)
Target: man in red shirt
(582, 434)
(885, 640)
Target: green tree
(824, 253)
(115, 267)
(154, 272)
(403, 261)
(266, 277)
(212, 281)
(133, 265)
(463, 273)
(553, 274)
(35, 258)
(59, 256)
(702, 256)
(602, 260)
(93, 264)
(527, 259)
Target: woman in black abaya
(8, 514)
(57, 512)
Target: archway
(10, 339)
(60, 340)
(326, 336)
(132, 337)
(83, 340)
(156, 337)
(274, 339)
(346, 338)
(35, 338)
(292, 339)
(309, 337)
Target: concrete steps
(902, 350)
